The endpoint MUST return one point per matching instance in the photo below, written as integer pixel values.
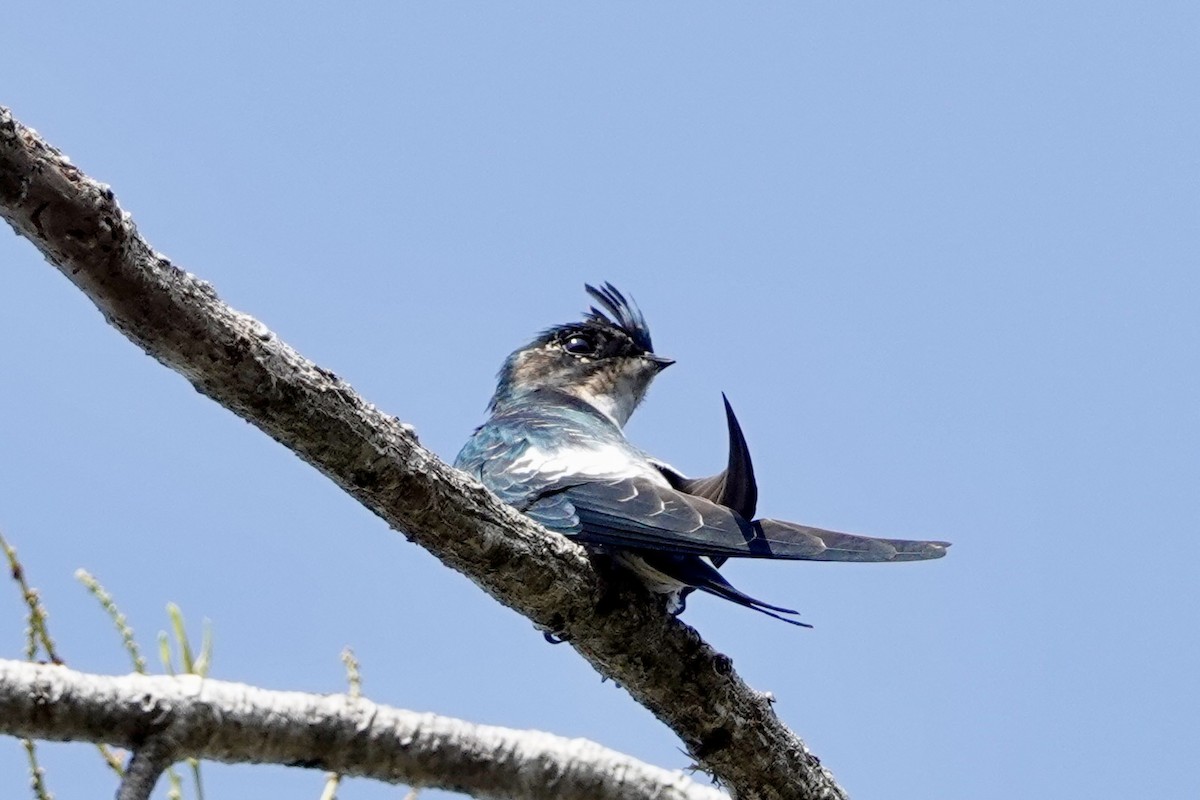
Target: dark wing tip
(924, 552)
(906, 550)
(780, 539)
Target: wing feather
(638, 513)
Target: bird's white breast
(616, 405)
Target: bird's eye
(579, 345)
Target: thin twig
(38, 633)
(109, 605)
(354, 678)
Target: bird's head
(605, 360)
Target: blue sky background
(941, 256)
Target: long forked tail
(697, 573)
(725, 590)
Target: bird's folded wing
(638, 513)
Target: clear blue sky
(943, 257)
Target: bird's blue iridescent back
(528, 451)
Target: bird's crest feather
(622, 312)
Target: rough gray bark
(178, 319)
(151, 757)
(165, 719)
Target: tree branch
(165, 719)
(150, 760)
(234, 359)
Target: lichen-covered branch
(234, 359)
(166, 718)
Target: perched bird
(554, 449)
